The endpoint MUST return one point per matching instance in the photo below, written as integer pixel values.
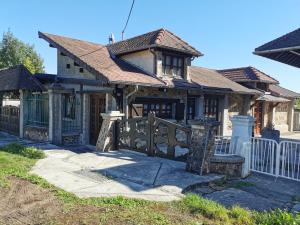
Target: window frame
(171, 65)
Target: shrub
(29, 152)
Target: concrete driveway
(116, 173)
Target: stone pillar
(106, 135)
(85, 119)
(21, 116)
(242, 127)
(201, 148)
(199, 107)
(247, 105)
(55, 115)
(225, 116)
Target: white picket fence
(276, 159)
(266, 155)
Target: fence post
(150, 141)
(242, 127)
(21, 115)
(277, 157)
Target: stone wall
(36, 133)
(235, 108)
(281, 117)
(71, 139)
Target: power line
(127, 19)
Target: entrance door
(258, 113)
(97, 106)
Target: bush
(29, 152)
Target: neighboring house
(148, 73)
(275, 106)
(285, 49)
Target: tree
(14, 52)
(297, 104)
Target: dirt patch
(26, 203)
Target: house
(285, 49)
(275, 105)
(151, 72)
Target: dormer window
(172, 65)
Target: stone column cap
(112, 114)
(242, 119)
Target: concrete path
(259, 192)
(116, 173)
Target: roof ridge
(160, 35)
(184, 42)
(117, 42)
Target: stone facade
(36, 133)
(71, 140)
(229, 165)
(235, 108)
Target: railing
(289, 160)
(225, 145)
(264, 153)
(71, 118)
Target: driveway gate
(154, 136)
(276, 159)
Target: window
(68, 66)
(69, 106)
(162, 110)
(211, 108)
(81, 70)
(191, 103)
(172, 65)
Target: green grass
(17, 160)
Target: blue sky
(225, 31)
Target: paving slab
(233, 196)
(115, 173)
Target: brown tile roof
(18, 78)
(97, 60)
(209, 78)
(247, 74)
(159, 38)
(283, 92)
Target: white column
(21, 131)
(242, 127)
(85, 119)
(225, 117)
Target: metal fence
(36, 109)
(71, 113)
(276, 159)
(225, 145)
(10, 119)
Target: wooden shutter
(137, 110)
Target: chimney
(111, 38)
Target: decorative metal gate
(10, 119)
(276, 159)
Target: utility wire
(127, 19)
